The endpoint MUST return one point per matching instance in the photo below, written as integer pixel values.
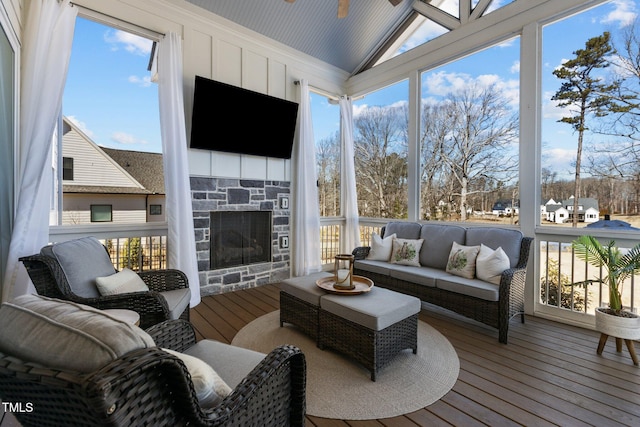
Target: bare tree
(328, 159)
(381, 161)
(476, 147)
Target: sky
(109, 94)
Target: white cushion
(406, 251)
(490, 264)
(122, 282)
(66, 335)
(462, 260)
(380, 248)
(210, 388)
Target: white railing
(139, 247)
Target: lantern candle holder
(343, 271)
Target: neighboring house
(108, 185)
(562, 212)
(505, 207)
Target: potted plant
(615, 320)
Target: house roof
(146, 168)
(312, 26)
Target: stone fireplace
(241, 232)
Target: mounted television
(236, 120)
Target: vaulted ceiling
(312, 26)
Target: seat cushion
(230, 362)
(471, 287)
(305, 288)
(81, 260)
(177, 300)
(424, 276)
(379, 267)
(122, 282)
(66, 335)
(375, 310)
(210, 388)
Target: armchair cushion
(210, 388)
(82, 260)
(177, 301)
(121, 282)
(54, 332)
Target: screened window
(67, 168)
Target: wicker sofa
(97, 370)
(430, 278)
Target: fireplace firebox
(240, 238)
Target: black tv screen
(236, 120)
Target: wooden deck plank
(548, 374)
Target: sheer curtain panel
(181, 239)
(47, 36)
(305, 248)
(351, 234)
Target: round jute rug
(342, 389)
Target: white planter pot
(627, 328)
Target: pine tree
(586, 93)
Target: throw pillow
(381, 248)
(406, 251)
(120, 283)
(65, 335)
(462, 260)
(210, 388)
(490, 264)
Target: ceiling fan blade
(393, 2)
(343, 8)
(289, 1)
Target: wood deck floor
(548, 374)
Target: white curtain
(305, 245)
(48, 37)
(351, 234)
(181, 239)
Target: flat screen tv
(236, 120)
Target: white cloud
(126, 138)
(358, 109)
(623, 14)
(80, 125)
(515, 67)
(442, 83)
(144, 81)
(129, 42)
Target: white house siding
(156, 200)
(219, 49)
(91, 166)
(126, 209)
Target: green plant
(569, 297)
(617, 266)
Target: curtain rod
(118, 23)
(321, 92)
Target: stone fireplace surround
(209, 194)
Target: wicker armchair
(151, 387)
(166, 299)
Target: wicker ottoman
(300, 301)
(371, 328)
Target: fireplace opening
(240, 238)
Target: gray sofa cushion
(403, 230)
(438, 240)
(509, 240)
(471, 287)
(380, 267)
(425, 276)
(230, 362)
(82, 260)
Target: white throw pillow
(490, 264)
(381, 248)
(122, 282)
(210, 388)
(462, 260)
(406, 251)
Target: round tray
(362, 284)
